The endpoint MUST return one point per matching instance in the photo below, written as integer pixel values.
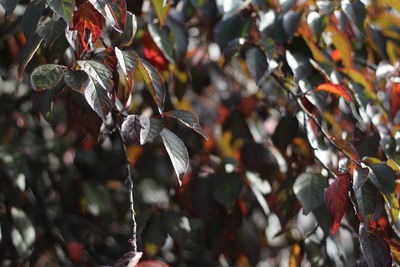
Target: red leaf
(395, 98)
(335, 89)
(153, 54)
(336, 198)
(75, 251)
(152, 263)
(87, 17)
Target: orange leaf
(336, 199)
(87, 17)
(335, 89)
(342, 44)
(395, 98)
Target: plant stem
(129, 180)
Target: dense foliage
(240, 133)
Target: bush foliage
(199, 133)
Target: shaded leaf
(129, 259)
(154, 82)
(356, 12)
(383, 177)
(336, 199)
(51, 30)
(152, 263)
(291, 22)
(286, 5)
(231, 28)
(23, 233)
(64, 8)
(161, 10)
(181, 38)
(335, 89)
(139, 129)
(126, 38)
(164, 40)
(309, 190)
(47, 76)
(32, 16)
(189, 119)
(226, 188)
(360, 177)
(100, 72)
(366, 198)
(28, 52)
(177, 153)
(9, 5)
(88, 18)
(97, 98)
(256, 63)
(112, 10)
(375, 249)
(75, 79)
(128, 60)
(317, 23)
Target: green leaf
(113, 10)
(9, 6)
(360, 177)
(177, 153)
(128, 60)
(139, 129)
(28, 52)
(356, 12)
(47, 76)
(32, 16)
(231, 28)
(181, 38)
(256, 63)
(126, 38)
(309, 190)
(75, 79)
(51, 30)
(226, 188)
(161, 10)
(97, 98)
(383, 177)
(64, 8)
(317, 23)
(375, 249)
(154, 82)
(189, 119)
(99, 72)
(366, 198)
(291, 21)
(164, 40)
(286, 5)
(23, 233)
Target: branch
(129, 180)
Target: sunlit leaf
(177, 153)
(153, 54)
(161, 10)
(88, 18)
(335, 89)
(154, 82)
(47, 76)
(126, 38)
(309, 190)
(360, 177)
(28, 52)
(139, 129)
(356, 12)
(164, 40)
(9, 5)
(286, 5)
(189, 119)
(112, 10)
(129, 259)
(291, 22)
(100, 72)
(97, 97)
(336, 198)
(394, 4)
(128, 60)
(341, 43)
(64, 8)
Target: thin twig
(129, 180)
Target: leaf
(9, 6)
(335, 89)
(153, 54)
(23, 233)
(395, 4)
(139, 129)
(342, 44)
(394, 98)
(356, 12)
(226, 188)
(128, 60)
(112, 10)
(189, 119)
(336, 199)
(291, 22)
(27, 53)
(181, 38)
(126, 38)
(256, 63)
(75, 79)
(64, 8)
(309, 190)
(154, 82)
(47, 76)
(231, 28)
(88, 18)
(286, 5)
(32, 16)
(99, 72)
(360, 177)
(97, 98)
(129, 259)
(375, 249)
(51, 30)
(164, 40)
(161, 10)
(317, 24)
(366, 198)
(177, 153)
(383, 177)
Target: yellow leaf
(393, 3)
(342, 44)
